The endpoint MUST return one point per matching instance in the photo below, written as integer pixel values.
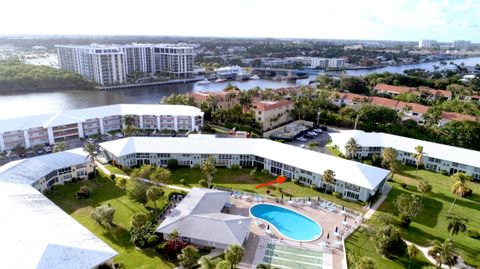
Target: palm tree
(424, 187)
(212, 102)
(443, 253)
(352, 147)
(59, 146)
(459, 187)
(418, 156)
(234, 255)
(90, 149)
(328, 177)
(129, 120)
(189, 256)
(207, 263)
(209, 168)
(456, 224)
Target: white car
(312, 133)
(301, 138)
(90, 140)
(119, 135)
(302, 145)
(317, 131)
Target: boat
(220, 80)
(254, 77)
(204, 82)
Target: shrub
(182, 181)
(170, 195)
(141, 236)
(268, 191)
(368, 162)
(91, 175)
(403, 185)
(405, 220)
(313, 187)
(473, 234)
(337, 195)
(203, 183)
(112, 177)
(294, 181)
(152, 239)
(172, 248)
(235, 166)
(468, 193)
(139, 191)
(444, 172)
(341, 155)
(83, 193)
(172, 164)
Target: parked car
(119, 135)
(312, 133)
(302, 145)
(47, 149)
(90, 140)
(39, 151)
(317, 130)
(301, 138)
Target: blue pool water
(289, 223)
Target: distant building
(462, 44)
(223, 99)
(110, 64)
(423, 92)
(326, 62)
(353, 47)
(426, 43)
(272, 113)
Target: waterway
(24, 104)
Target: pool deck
(259, 238)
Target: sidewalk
(108, 173)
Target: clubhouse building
(437, 157)
(80, 123)
(37, 233)
(355, 181)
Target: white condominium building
(426, 43)
(103, 64)
(327, 62)
(353, 180)
(75, 124)
(110, 64)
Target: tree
(459, 187)
(424, 187)
(103, 215)
(413, 252)
(418, 156)
(59, 146)
(394, 167)
(408, 206)
(456, 224)
(129, 120)
(328, 177)
(388, 242)
(365, 263)
(153, 194)
(352, 147)
(83, 192)
(160, 175)
(139, 191)
(91, 149)
(207, 263)
(121, 182)
(130, 130)
(209, 168)
(389, 155)
(443, 253)
(234, 255)
(224, 265)
(139, 220)
(313, 145)
(189, 256)
(353, 84)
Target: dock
(148, 84)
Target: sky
(409, 20)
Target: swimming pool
(290, 224)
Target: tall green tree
(121, 182)
(413, 252)
(160, 175)
(139, 220)
(208, 263)
(459, 187)
(188, 257)
(129, 120)
(153, 194)
(91, 149)
(209, 168)
(456, 224)
(59, 146)
(352, 147)
(103, 215)
(234, 255)
(418, 156)
(224, 264)
(443, 253)
(424, 187)
(388, 241)
(408, 206)
(389, 155)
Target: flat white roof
(35, 233)
(27, 171)
(434, 150)
(345, 170)
(198, 216)
(80, 115)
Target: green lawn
(431, 222)
(115, 170)
(360, 243)
(118, 238)
(332, 150)
(240, 179)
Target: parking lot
(322, 139)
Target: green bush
(403, 185)
(405, 220)
(112, 177)
(172, 164)
(235, 166)
(182, 181)
(170, 195)
(152, 239)
(337, 195)
(473, 234)
(203, 183)
(444, 172)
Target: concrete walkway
(386, 189)
(108, 173)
